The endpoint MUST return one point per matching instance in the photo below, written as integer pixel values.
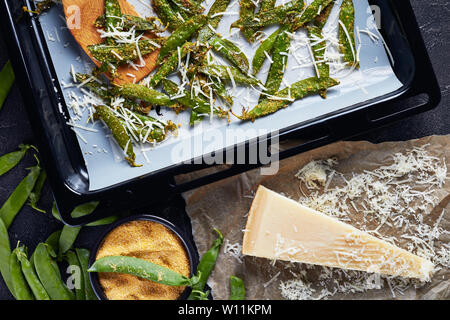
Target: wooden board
(87, 35)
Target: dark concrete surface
(31, 227)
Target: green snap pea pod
(310, 13)
(170, 65)
(146, 94)
(128, 22)
(142, 269)
(189, 6)
(166, 14)
(282, 99)
(72, 259)
(223, 72)
(274, 16)
(220, 91)
(267, 5)
(32, 278)
(279, 57)
(180, 11)
(67, 239)
(53, 240)
(17, 199)
(119, 132)
(113, 15)
(20, 285)
(237, 288)
(266, 48)
(35, 195)
(206, 265)
(322, 18)
(76, 213)
(50, 278)
(5, 252)
(120, 54)
(158, 129)
(347, 43)
(83, 258)
(10, 160)
(247, 9)
(217, 7)
(183, 33)
(7, 78)
(231, 52)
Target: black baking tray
(63, 160)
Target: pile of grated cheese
(394, 202)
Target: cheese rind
(279, 228)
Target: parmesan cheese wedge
(279, 228)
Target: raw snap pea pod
(83, 258)
(76, 213)
(113, 15)
(247, 9)
(142, 269)
(32, 278)
(166, 14)
(274, 16)
(7, 78)
(170, 65)
(310, 13)
(5, 252)
(128, 21)
(279, 57)
(119, 132)
(183, 33)
(10, 160)
(18, 198)
(283, 98)
(264, 50)
(72, 259)
(347, 43)
(230, 51)
(119, 54)
(50, 278)
(206, 265)
(223, 72)
(21, 289)
(237, 288)
(35, 195)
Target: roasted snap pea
(182, 34)
(72, 259)
(217, 7)
(206, 265)
(311, 12)
(142, 269)
(237, 288)
(267, 5)
(189, 6)
(274, 16)
(113, 15)
(119, 132)
(18, 198)
(32, 278)
(230, 52)
(50, 278)
(223, 72)
(264, 50)
(144, 93)
(279, 57)
(282, 99)
(5, 252)
(83, 258)
(21, 289)
(7, 78)
(35, 195)
(220, 90)
(247, 9)
(166, 14)
(119, 54)
(128, 22)
(347, 43)
(10, 160)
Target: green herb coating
(348, 46)
(247, 10)
(189, 6)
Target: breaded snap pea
(247, 9)
(264, 50)
(279, 57)
(182, 34)
(190, 6)
(32, 278)
(113, 15)
(228, 73)
(144, 93)
(347, 43)
(267, 5)
(119, 132)
(231, 52)
(311, 12)
(166, 14)
(128, 22)
(217, 7)
(21, 289)
(285, 97)
(50, 278)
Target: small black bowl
(190, 249)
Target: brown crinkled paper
(225, 204)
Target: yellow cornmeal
(146, 240)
